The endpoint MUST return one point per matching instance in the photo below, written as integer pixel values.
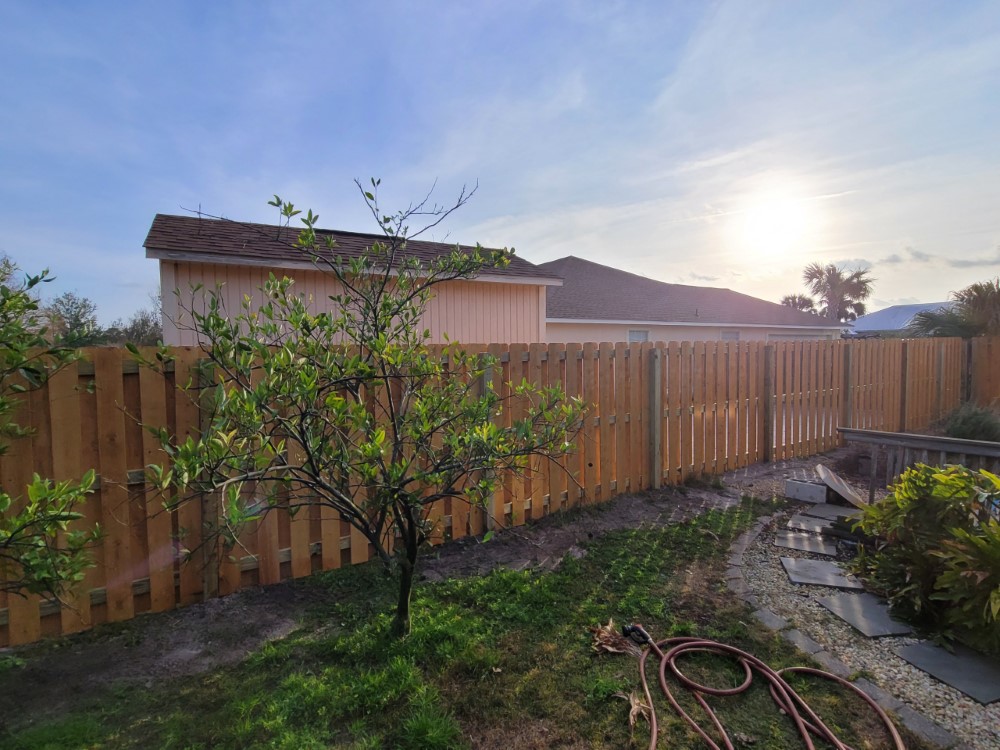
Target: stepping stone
(818, 573)
(804, 542)
(800, 522)
(829, 512)
(973, 674)
(865, 612)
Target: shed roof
(896, 317)
(594, 292)
(203, 240)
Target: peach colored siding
(564, 333)
(468, 311)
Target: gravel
(973, 723)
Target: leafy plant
(39, 552)
(972, 422)
(970, 583)
(936, 555)
(352, 409)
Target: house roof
(896, 317)
(594, 292)
(200, 240)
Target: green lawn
(500, 661)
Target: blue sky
(726, 144)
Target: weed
(972, 422)
(10, 663)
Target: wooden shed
(504, 305)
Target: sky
(721, 144)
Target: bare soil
(67, 673)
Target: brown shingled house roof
(202, 240)
(593, 292)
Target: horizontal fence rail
(659, 414)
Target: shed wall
(467, 311)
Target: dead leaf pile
(608, 640)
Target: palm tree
(799, 302)
(841, 293)
(975, 312)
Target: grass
(502, 659)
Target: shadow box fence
(660, 414)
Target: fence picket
(159, 520)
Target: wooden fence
(660, 413)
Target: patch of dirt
(544, 543)
(65, 674)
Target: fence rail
(660, 414)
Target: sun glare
(774, 224)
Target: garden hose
(806, 721)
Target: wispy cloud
(991, 262)
(700, 277)
(912, 256)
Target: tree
(975, 312)
(144, 328)
(39, 551)
(353, 409)
(799, 302)
(72, 321)
(841, 293)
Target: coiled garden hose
(806, 721)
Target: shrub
(971, 422)
(936, 555)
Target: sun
(774, 224)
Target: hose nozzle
(636, 632)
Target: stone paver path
(829, 512)
(974, 674)
(811, 530)
(819, 573)
(810, 523)
(804, 542)
(866, 613)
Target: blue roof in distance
(895, 318)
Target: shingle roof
(205, 240)
(591, 291)
(895, 318)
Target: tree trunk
(407, 569)
(401, 623)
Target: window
(730, 335)
(637, 336)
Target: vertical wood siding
(467, 311)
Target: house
(894, 319)
(600, 303)
(504, 305)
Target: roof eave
(179, 256)
(599, 321)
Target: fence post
(846, 388)
(767, 400)
(904, 377)
(656, 422)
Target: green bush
(971, 422)
(936, 555)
